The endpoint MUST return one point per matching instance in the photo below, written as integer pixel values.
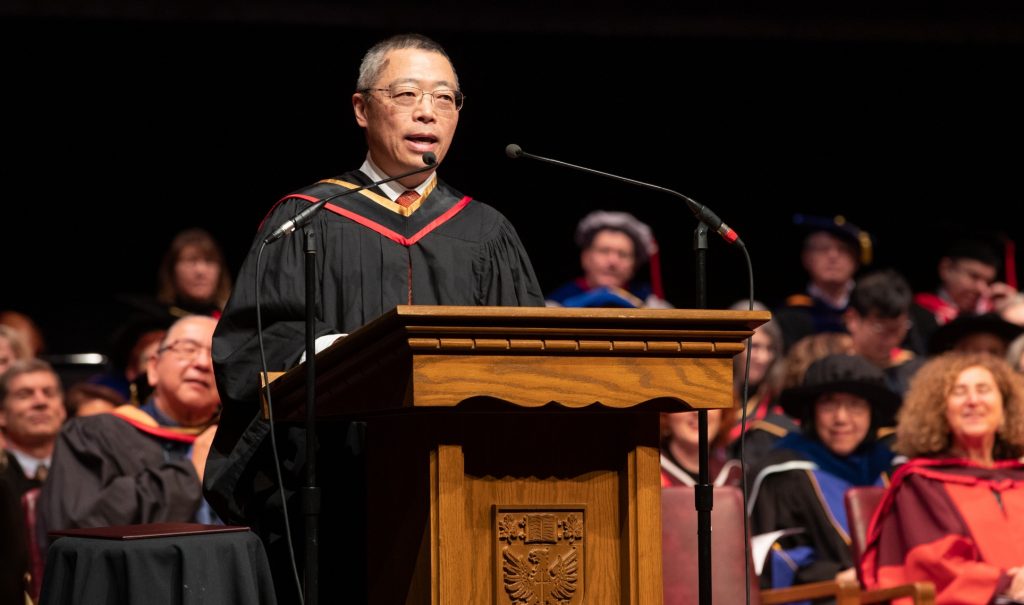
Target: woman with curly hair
(954, 514)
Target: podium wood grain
(475, 410)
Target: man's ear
(945, 266)
(359, 107)
(850, 315)
(151, 374)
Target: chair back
(728, 556)
(861, 503)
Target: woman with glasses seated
(801, 484)
(954, 514)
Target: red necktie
(407, 199)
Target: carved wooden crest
(539, 555)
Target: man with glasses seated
(412, 241)
(145, 464)
(833, 250)
(878, 320)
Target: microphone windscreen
(429, 158)
(513, 151)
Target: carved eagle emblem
(542, 578)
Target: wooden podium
(512, 453)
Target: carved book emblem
(540, 555)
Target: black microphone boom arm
(702, 212)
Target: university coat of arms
(540, 556)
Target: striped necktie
(407, 199)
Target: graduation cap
(841, 228)
(645, 247)
(842, 374)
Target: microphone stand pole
(310, 491)
(703, 494)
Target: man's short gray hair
(375, 59)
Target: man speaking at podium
(413, 240)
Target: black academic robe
(14, 553)
(370, 257)
(108, 470)
(792, 489)
(15, 476)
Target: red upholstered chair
(679, 555)
(861, 503)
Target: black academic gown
(108, 471)
(370, 258)
(14, 553)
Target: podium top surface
(548, 315)
(419, 356)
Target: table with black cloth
(160, 566)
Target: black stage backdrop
(119, 132)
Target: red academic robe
(951, 522)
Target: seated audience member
(12, 347)
(878, 320)
(679, 449)
(85, 399)
(988, 333)
(193, 276)
(139, 388)
(809, 349)
(801, 483)
(967, 286)
(833, 250)
(31, 335)
(765, 371)
(14, 553)
(764, 433)
(31, 414)
(133, 344)
(613, 246)
(1015, 354)
(1013, 310)
(954, 514)
(142, 465)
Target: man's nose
(424, 108)
(203, 360)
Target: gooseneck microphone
(300, 220)
(699, 210)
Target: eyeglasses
(830, 405)
(445, 101)
(184, 348)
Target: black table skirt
(217, 568)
